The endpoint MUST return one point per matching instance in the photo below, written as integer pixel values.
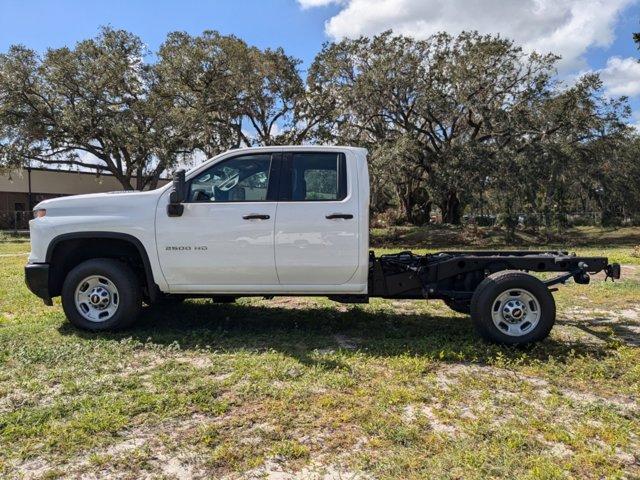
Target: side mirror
(178, 195)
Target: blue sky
(590, 34)
(40, 24)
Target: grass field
(307, 388)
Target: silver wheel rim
(97, 298)
(516, 312)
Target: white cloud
(317, 3)
(621, 76)
(564, 27)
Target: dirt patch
(453, 376)
(630, 313)
(117, 458)
(196, 361)
(412, 412)
(273, 470)
(558, 449)
(33, 469)
(173, 467)
(600, 326)
(289, 302)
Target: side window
(239, 179)
(318, 177)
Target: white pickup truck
(272, 221)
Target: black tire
(484, 305)
(459, 306)
(129, 295)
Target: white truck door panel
(225, 235)
(316, 231)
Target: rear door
(316, 231)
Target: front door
(226, 233)
(317, 220)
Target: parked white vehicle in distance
(290, 220)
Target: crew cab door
(225, 235)
(316, 239)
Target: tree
(368, 89)
(231, 94)
(94, 106)
(560, 155)
(201, 78)
(276, 103)
(449, 95)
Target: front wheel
(513, 308)
(101, 294)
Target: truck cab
(291, 220)
(268, 221)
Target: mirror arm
(180, 186)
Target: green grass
(393, 389)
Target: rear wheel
(513, 308)
(101, 294)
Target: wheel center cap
(100, 297)
(513, 311)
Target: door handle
(256, 216)
(346, 216)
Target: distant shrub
(581, 222)
(389, 218)
(531, 221)
(560, 220)
(485, 220)
(633, 221)
(507, 221)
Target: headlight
(39, 213)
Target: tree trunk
(139, 180)
(153, 183)
(406, 207)
(451, 209)
(405, 202)
(611, 216)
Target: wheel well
(68, 253)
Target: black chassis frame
(455, 275)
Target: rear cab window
(314, 177)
